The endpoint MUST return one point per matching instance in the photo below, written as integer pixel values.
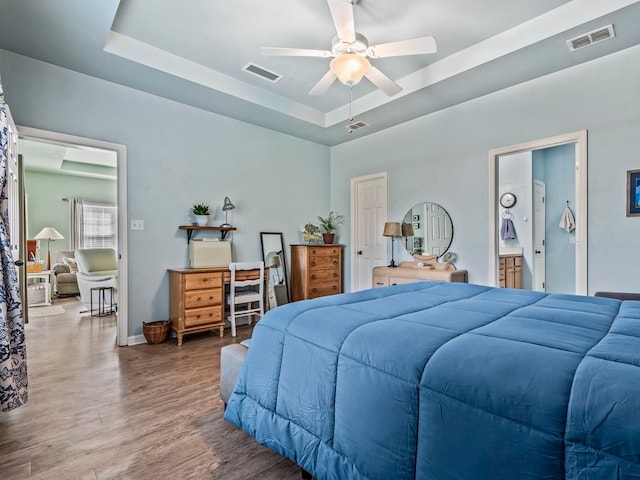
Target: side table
(39, 288)
(102, 302)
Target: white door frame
(580, 139)
(121, 151)
(354, 211)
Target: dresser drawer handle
(313, 251)
(198, 316)
(379, 283)
(314, 290)
(211, 297)
(210, 315)
(335, 262)
(313, 277)
(335, 274)
(335, 287)
(313, 264)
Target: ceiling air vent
(261, 72)
(356, 126)
(590, 38)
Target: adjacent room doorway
(36, 135)
(577, 141)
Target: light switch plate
(137, 224)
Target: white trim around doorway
(580, 139)
(122, 333)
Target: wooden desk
(197, 298)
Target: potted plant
(201, 212)
(329, 224)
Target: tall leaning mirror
(427, 229)
(275, 267)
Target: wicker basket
(34, 267)
(155, 332)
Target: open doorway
(75, 190)
(532, 186)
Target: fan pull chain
(349, 129)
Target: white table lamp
(48, 234)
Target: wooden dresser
(196, 300)
(510, 271)
(316, 271)
(387, 276)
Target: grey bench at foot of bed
(231, 359)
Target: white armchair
(97, 267)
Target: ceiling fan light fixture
(350, 68)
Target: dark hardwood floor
(98, 411)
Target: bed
(447, 381)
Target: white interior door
(438, 226)
(368, 214)
(539, 219)
(13, 188)
(14, 181)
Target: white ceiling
(193, 51)
(51, 157)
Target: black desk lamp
(393, 230)
(226, 208)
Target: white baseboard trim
(136, 340)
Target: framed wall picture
(633, 193)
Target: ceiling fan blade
(323, 85)
(383, 82)
(342, 14)
(295, 52)
(415, 46)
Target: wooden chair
(245, 292)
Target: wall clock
(508, 200)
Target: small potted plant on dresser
(329, 225)
(201, 212)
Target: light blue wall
(442, 157)
(177, 156)
(45, 207)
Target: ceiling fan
(350, 50)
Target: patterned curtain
(13, 352)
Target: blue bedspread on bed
(447, 381)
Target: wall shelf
(190, 228)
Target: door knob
(359, 252)
(19, 263)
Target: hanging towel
(567, 222)
(507, 231)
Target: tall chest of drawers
(316, 271)
(196, 298)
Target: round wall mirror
(427, 230)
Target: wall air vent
(595, 36)
(261, 72)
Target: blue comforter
(447, 381)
